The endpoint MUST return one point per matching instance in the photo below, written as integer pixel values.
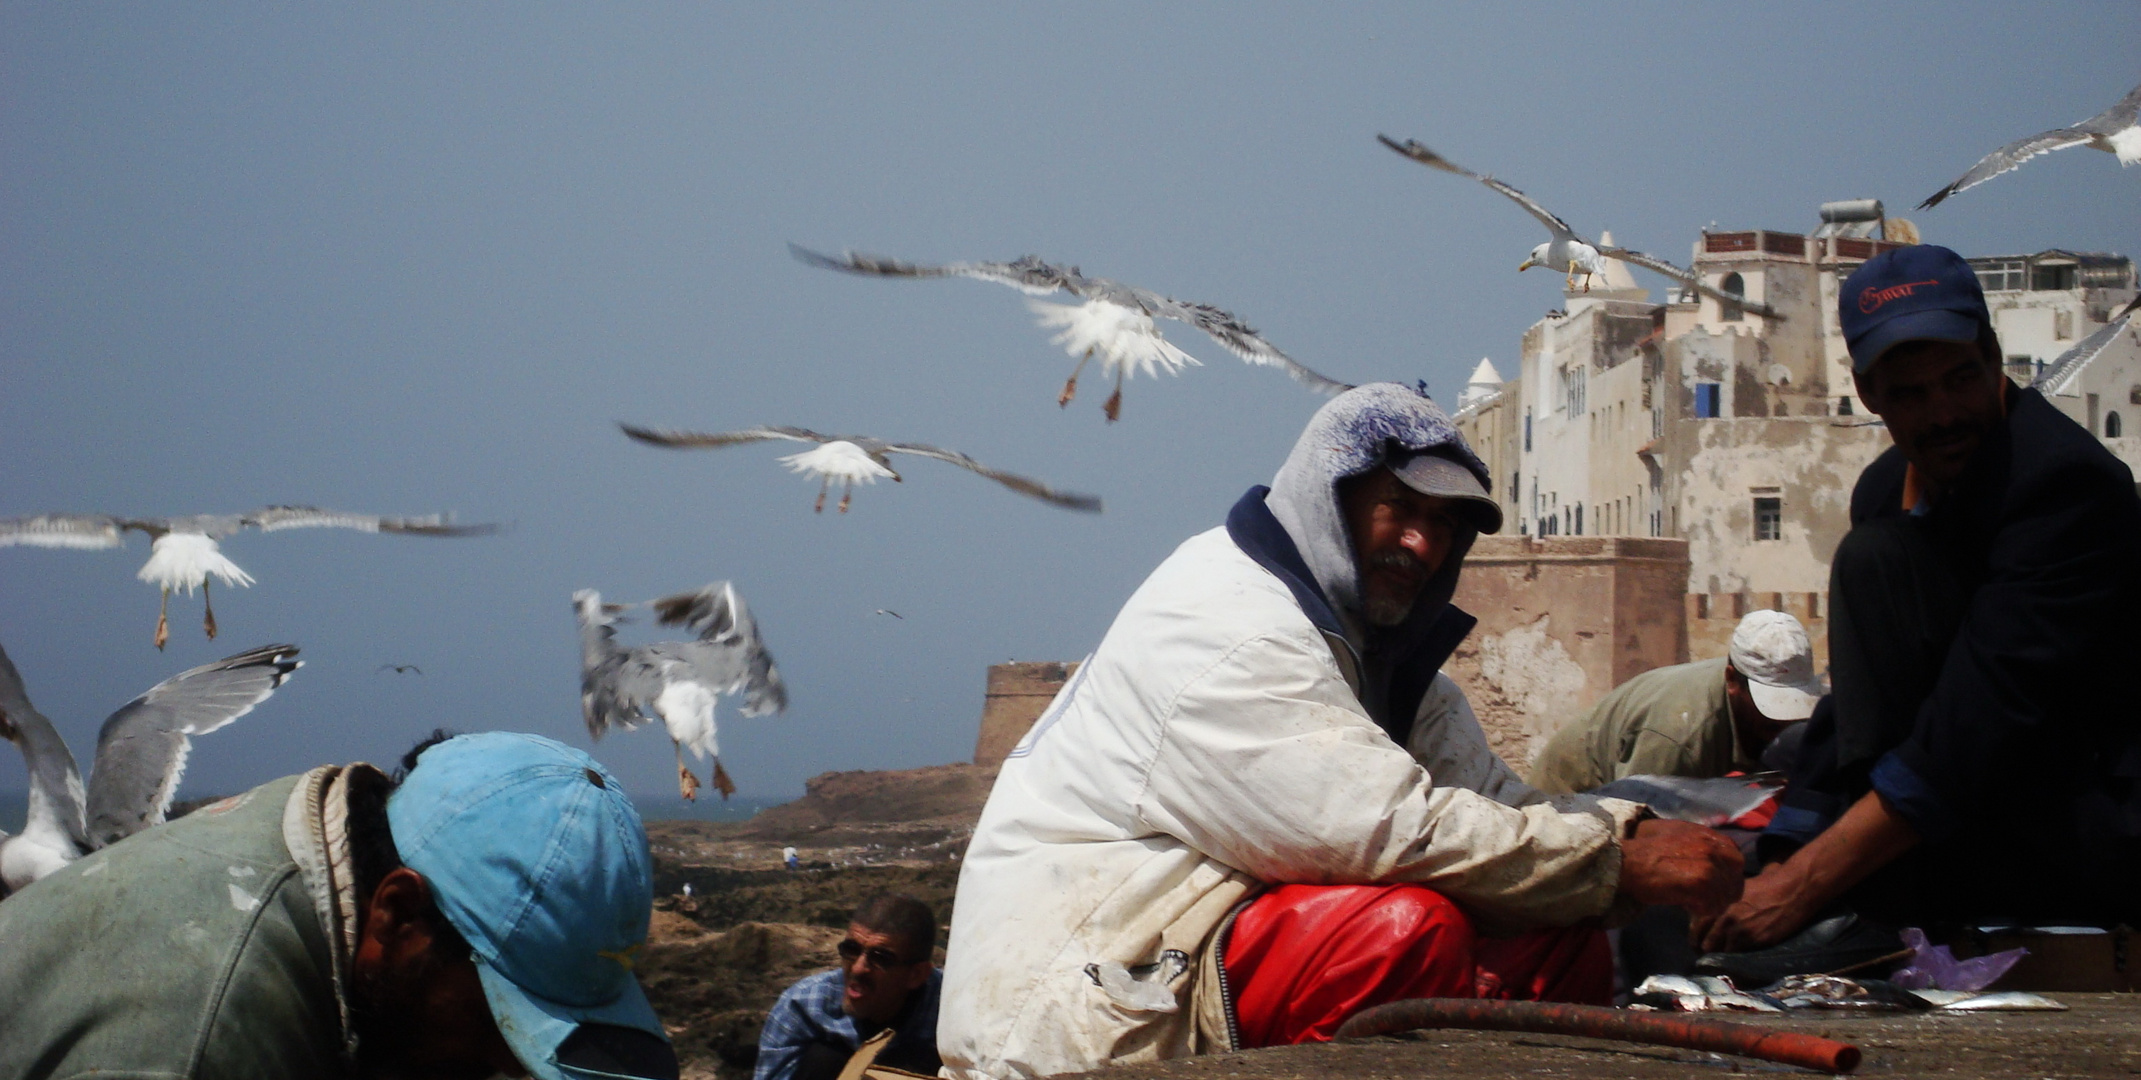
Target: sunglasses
(879, 957)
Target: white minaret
(1484, 383)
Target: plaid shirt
(809, 1012)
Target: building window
(1999, 275)
(1527, 431)
(2063, 325)
(1737, 286)
(1706, 400)
(1578, 530)
(2112, 427)
(1843, 405)
(1572, 389)
(2021, 369)
(2056, 277)
(1768, 518)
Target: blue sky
(410, 258)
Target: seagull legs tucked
(687, 782)
(819, 506)
(722, 783)
(1114, 405)
(847, 495)
(163, 620)
(208, 611)
(1070, 385)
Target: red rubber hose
(1596, 1022)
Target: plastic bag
(1934, 967)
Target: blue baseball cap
(535, 855)
(1924, 292)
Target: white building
(1741, 434)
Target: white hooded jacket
(1217, 741)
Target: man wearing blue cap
(480, 917)
(1979, 755)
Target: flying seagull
(677, 682)
(889, 611)
(2062, 369)
(141, 754)
(1567, 252)
(398, 669)
(854, 459)
(1114, 322)
(183, 552)
(2116, 130)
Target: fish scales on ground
(677, 682)
(854, 459)
(141, 756)
(1567, 251)
(2116, 130)
(1115, 322)
(183, 551)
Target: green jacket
(1671, 721)
(194, 949)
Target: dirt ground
(2099, 1037)
(718, 958)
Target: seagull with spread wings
(183, 552)
(854, 459)
(677, 682)
(2064, 367)
(2116, 130)
(1115, 322)
(1566, 251)
(141, 754)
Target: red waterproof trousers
(1303, 958)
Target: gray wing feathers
(142, 748)
(1028, 274)
(1412, 149)
(1023, 485)
(51, 764)
(273, 518)
(2010, 157)
(689, 440)
(2085, 350)
(62, 531)
(728, 653)
(1689, 278)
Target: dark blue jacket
(2036, 710)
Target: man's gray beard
(1385, 612)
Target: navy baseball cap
(535, 855)
(1924, 292)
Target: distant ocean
(14, 806)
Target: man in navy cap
(480, 917)
(1978, 756)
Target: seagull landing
(2116, 130)
(677, 682)
(1115, 322)
(183, 552)
(853, 459)
(141, 754)
(1567, 252)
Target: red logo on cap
(1870, 300)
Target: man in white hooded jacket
(1259, 805)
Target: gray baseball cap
(1430, 473)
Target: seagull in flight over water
(1567, 252)
(853, 459)
(183, 550)
(677, 682)
(2116, 130)
(141, 754)
(1114, 322)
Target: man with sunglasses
(885, 980)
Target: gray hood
(1350, 435)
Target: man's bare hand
(1775, 904)
(1684, 865)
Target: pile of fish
(1711, 993)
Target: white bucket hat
(1771, 649)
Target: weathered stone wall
(1561, 621)
(1016, 695)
